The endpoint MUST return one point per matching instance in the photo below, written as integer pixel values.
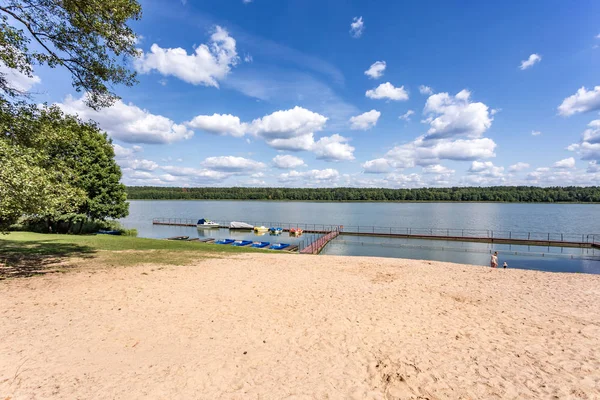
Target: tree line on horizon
(509, 194)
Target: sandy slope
(301, 327)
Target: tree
(90, 38)
(66, 166)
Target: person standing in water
(494, 260)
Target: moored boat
(279, 246)
(296, 231)
(260, 229)
(260, 245)
(275, 231)
(241, 243)
(225, 241)
(178, 238)
(206, 223)
(240, 225)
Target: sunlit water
(554, 218)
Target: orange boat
(296, 231)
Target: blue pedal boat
(279, 246)
(275, 231)
(260, 245)
(225, 241)
(241, 243)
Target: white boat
(207, 223)
(240, 225)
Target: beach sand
(262, 326)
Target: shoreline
(271, 325)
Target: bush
(73, 226)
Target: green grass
(28, 254)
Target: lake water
(554, 218)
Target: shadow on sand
(23, 259)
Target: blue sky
(310, 93)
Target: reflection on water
(554, 259)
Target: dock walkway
(330, 232)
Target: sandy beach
(267, 326)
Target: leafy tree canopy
(53, 164)
(90, 38)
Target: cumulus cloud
(357, 27)
(300, 143)
(582, 101)
(139, 164)
(377, 166)
(566, 163)
(406, 115)
(426, 90)
(220, 124)
(288, 124)
(589, 146)
(365, 121)
(520, 166)
(593, 167)
(122, 152)
(533, 59)
(207, 65)
(424, 152)
(375, 71)
(388, 91)
(437, 169)
(535, 133)
(333, 148)
(451, 116)
(486, 168)
(127, 122)
(287, 162)
(18, 80)
(232, 164)
(311, 178)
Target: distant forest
(509, 194)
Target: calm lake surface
(553, 218)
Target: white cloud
(299, 143)
(404, 180)
(598, 36)
(18, 80)
(520, 166)
(437, 169)
(387, 91)
(139, 165)
(246, 1)
(232, 164)
(535, 133)
(248, 58)
(375, 71)
(357, 27)
(333, 148)
(377, 166)
(122, 152)
(288, 124)
(322, 176)
(486, 168)
(128, 123)
(428, 152)
(566, 163)
(589, 146)
(533, 59)
(582, 101)
(456, 116)
(425, 90)
(220, 124)
(365, 121)
(206, 66)
(287, 162)
(593, 167)
(406, 115)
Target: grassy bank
(27, 254)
